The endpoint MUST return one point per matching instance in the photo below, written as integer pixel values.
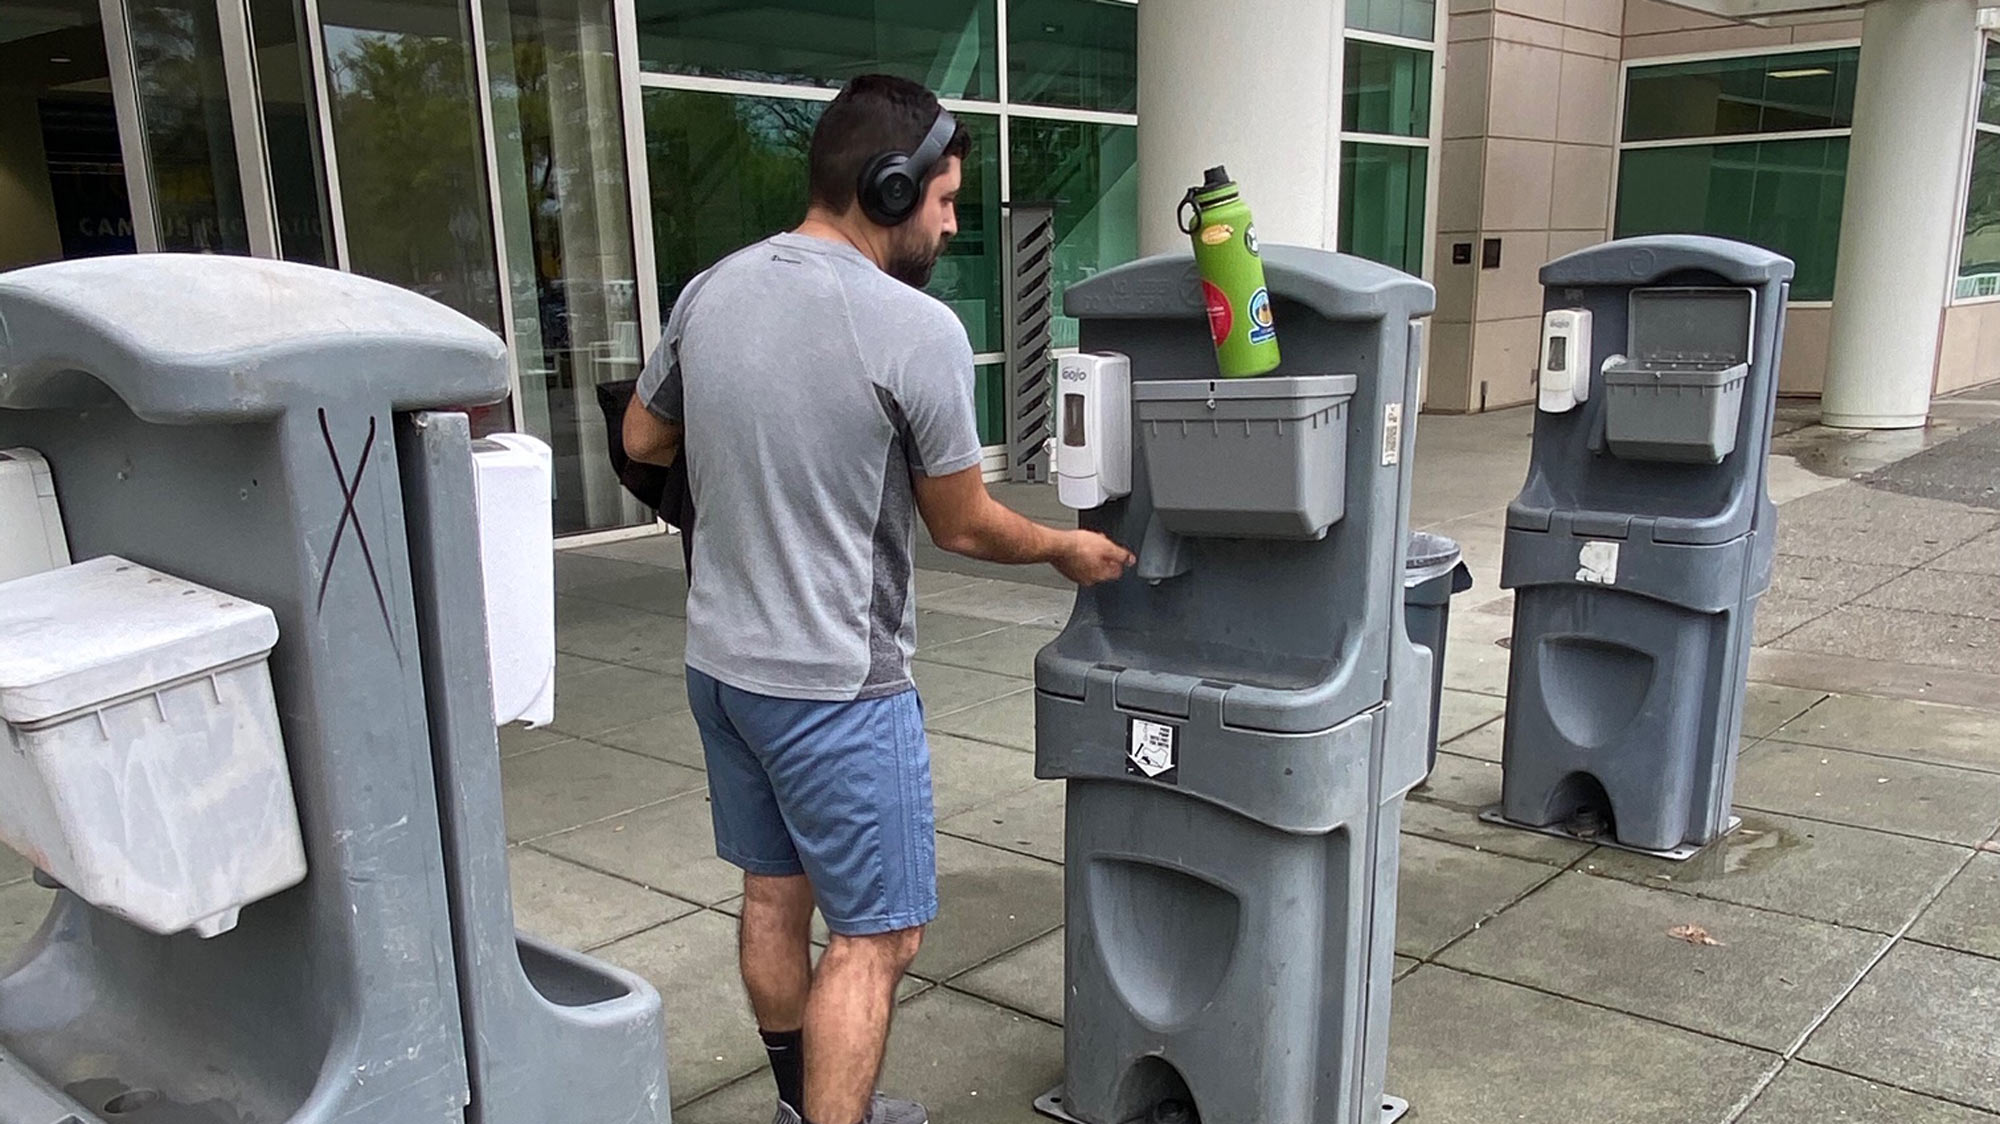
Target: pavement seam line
(536, 846)
(1598, 1005)
(1860, 977)
(1491, 914)
(1995, 771)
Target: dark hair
(874, 114)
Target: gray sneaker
(883, 1110)
(889, 1110)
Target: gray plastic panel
(195, 337)
(1646, 260)
(551, 1034)
(1246, 458)
(1326, 286)
(1628, 701)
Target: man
(827, 402)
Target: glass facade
(566, 214)
(1091, 174)
(1796, 91)
(1752, 148)
(62, 172)
(728, 166)
(1078, 53)
(482, 154)
(1405, 19)
(408, 144)
(1979, 247)
(1783, 195)
(292, 132)
(948, 45)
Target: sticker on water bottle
(1261, 328)
(1155, 752)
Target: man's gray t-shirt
(812, 386)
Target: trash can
(1238, 720)
(1432, 573)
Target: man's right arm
(964, 518)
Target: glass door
(184, 79)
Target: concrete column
(1251, 84)
(1901, 221)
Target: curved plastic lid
(1430, 556)
(86, 635)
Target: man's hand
(1091, 558)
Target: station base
(1050, 1104)
(1681, 853)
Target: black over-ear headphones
(892, 183)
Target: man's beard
(912, 263)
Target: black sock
(788, 1064)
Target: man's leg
(774, 941)
(847, 1021)
(854, 782)
(775, 948)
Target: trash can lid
(1430, 557)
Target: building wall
(1526, 162)
(1969, 352)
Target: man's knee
(893, 950)
(786, 899)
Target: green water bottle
(1232, 276)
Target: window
(968, 275)
(1752, 148)
(406, 137)
(291, 132)
(1388, 90)
(1796, 91)
(728, 165)
(185, 114)
(1091, 174)
(1382, 203)
(1383, 175)
(948, 45)
(1979, 249)
(1783, 195)
(1078, 53)
(1407, 19)
(566, 211)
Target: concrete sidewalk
(1858, 917)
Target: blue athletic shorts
(837, 791)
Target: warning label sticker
(1155, 752)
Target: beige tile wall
(1969, 354)
(1529, 106)
(1530, 135)
(1802, 365)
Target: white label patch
(1155, 752)
(1597, 563)
(1392, 433)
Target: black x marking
(348, 515)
